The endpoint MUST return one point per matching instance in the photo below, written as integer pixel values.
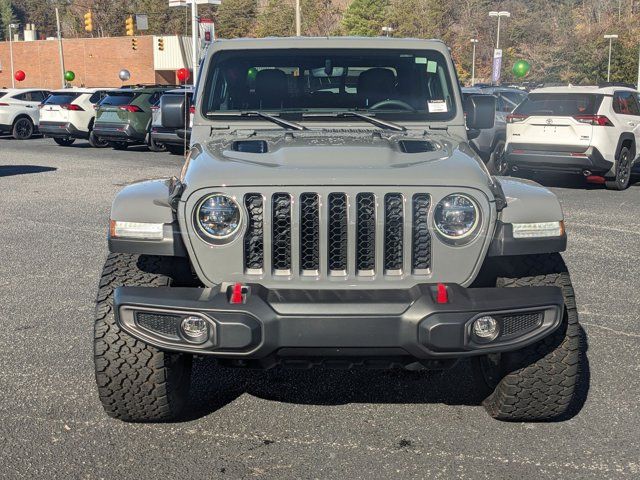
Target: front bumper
(545, 159)
(271, 326)
(118, 132)
(61, 130)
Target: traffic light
(134, 43)
(161, 44)
(129, 26)
(88, 22)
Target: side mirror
(480, 111)
(173, 109)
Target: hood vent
(250, 146)
(417, 146)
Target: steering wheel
(395, 103)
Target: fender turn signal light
(442, 295)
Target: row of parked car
(104, 116)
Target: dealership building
(95, 61)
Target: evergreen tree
(6, 18)
(236, 18)
(365, 17)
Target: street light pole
(497, 53)
(194, 40)
(610, 38)
(474, 42)
(13, 78)
(499, 15)
(298, 19)
(60, 52)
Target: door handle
(631, 124)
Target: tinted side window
(626, 103)
(155, 98)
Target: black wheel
(118, 145)
(64, 142)
(156, 147)
(497, 164)
(137, 382)
(623, 171)
(23, 129)
(95, 141)
(539, 382)
(176, 149)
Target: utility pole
(474, 42)
(611, 38)
(194, 39)
(298, 19)
(60, 52)
(638, 84)
(13, 78)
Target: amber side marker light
(136, 230)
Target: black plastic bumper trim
(503, 243)
(118, 132)
(61, 130)
(541, 159)
(170, 246)
(401, 320)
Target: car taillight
(596, 120)
(192, 109)
(72, 107)
(130, 108)
(4, 104)
(155, 108)
(516, 118)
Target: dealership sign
(497, 65)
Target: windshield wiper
(278, 121)
(367, 118)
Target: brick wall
(95, 61)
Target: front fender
(527, 202)
(147, 202)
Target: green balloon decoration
(69, 76)
(521, 68)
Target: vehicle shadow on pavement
(11, 170)
(213, 387)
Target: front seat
(271, 88)
(376, 85)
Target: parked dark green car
(124, 116)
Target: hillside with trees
(561, 39)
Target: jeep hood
(335, 158)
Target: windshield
(404, 84)
(560, 104)
(61, 98)
(117, 98)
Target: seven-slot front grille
(337, 234)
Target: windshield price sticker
(437, 106)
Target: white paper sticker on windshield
(437, 106)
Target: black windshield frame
(305, 60)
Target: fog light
(195, 329)
(486, 328)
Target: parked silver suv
(490, 143)
(331, 212)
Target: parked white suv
(591, 131)
(69, 114)
(19, 114)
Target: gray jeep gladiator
(331, 213)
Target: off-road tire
(118, 145)
(23, 129)
(136, 382)
(497, 164)
(623, 171)
(539, 382)
(95, 141)
(64, 142)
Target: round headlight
(218, 216)
(456, 217)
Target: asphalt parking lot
(283, 424)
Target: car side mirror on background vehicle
(173, 109)
(480, 111)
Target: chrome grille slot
(281, 233)
(310, 233)
(366, 233)
(393, 233)
(421, 237)
(337, 232)
(254, 237)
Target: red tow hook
(236, 297)
(442, 295)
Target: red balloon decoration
(183, 74)
(20, 75)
